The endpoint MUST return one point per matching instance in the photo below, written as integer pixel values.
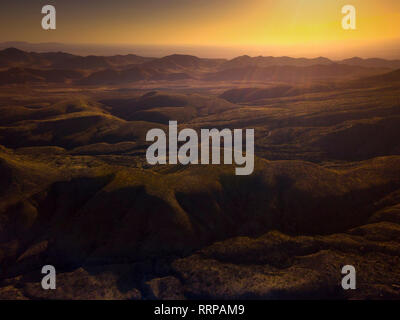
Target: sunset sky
(268, 27)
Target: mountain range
(77, 192)
(23, 67)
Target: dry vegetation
(76, 191)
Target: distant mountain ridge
(12, 57)
(66, 60)
(372, 62)
(22, 67)
(260, 61)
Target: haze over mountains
(23, 67)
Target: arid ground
(76, 191)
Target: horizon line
(94, 49)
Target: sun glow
(291, 26)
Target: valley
(77, 192)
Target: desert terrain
(76, 191)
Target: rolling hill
(77, 192)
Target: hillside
(65, 211)
(76, 190)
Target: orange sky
(291, 27)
